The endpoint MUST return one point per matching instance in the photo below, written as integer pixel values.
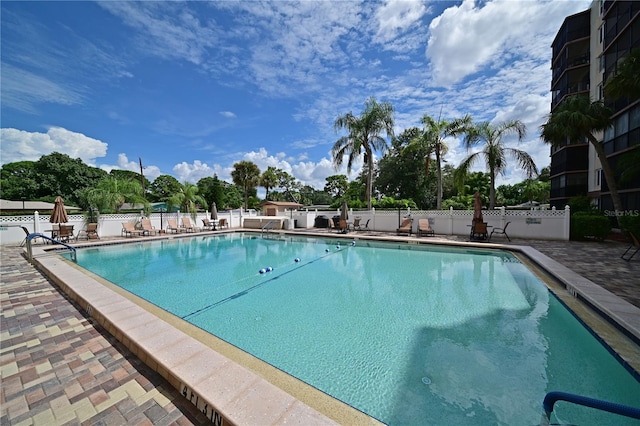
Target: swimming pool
(408, 334)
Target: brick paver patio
(59, 368)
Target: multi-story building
(586, 51)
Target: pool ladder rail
(268, 227)
(552, 397)
(67, 248)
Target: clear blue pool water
(409, 334)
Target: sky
(190, 88)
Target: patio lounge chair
(186, 223)
(90, 233)
(172, 226)
(222, 223)
(337, 224)
(424, 228)
(147, 228)
(208, 225)
(55, 231)
(502, 231)
(128, 230)
(478, 231)
(405, 227)
(66, 233)
(635, 243)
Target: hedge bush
(631, 223)
(587, 225)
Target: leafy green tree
(307, 194)
(363, 135)
(62, 175)
(467, 184)
(400, 172)
(355, 193)
(432, 141)
(495, 151)
(19, 180)
(212, 190)
(246, 175)
(626, 81)
(577, 119)
(289, 185)
(392, 203)
(458, 202)
(523, 192)
(163, 187)
(111, 193)
(188, 199)
(449, 188)
(321, 198)
(269, 180)
(336, 185)
(231, 196)
(545, 174)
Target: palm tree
(364, 135)
(187, 198)
(495, 152)
(269, 179)
(626, 81)
(577, 119)
(111, 193)
(433, 138)
(246, 175)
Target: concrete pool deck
(59, 366)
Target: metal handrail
(268, 226)
(30, 237)
(552, 397)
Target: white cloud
(22, 90)
(227, 114)
(51, 64)
(466, 37)
(20, 145)
(167, 30)
(197, 170)
(307, 172)
(396, 16)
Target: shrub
(581, 203)
(631, 223)
(587, 224)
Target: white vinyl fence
(108, 224)
(535, 224)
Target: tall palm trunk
(608, 175)
(492, 190)
(439, 174)
(367, 160)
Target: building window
(622, 124)
(598, 177)
(634, 118)
(609, 134)
(600, 91)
